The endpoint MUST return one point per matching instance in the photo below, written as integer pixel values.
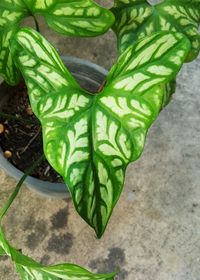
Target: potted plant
(89, 138)
(89, 75)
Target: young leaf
(136, 19)
(77, 18)
(31, 270)
(90, 139)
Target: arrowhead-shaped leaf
(136, 19)
(90, 139)
(77, 18)
(31, 270)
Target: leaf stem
(102, 86)
(10, 200)
(36, 23)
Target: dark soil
(22, 135)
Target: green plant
(97, 135)
(90, 138)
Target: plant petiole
(10, 200)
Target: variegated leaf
(90, 139)
(31, 270)
(11, 12)
(136, 19)
(77, 18)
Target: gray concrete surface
(154, 233)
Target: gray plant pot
(90, 76)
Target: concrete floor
(154, 233)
